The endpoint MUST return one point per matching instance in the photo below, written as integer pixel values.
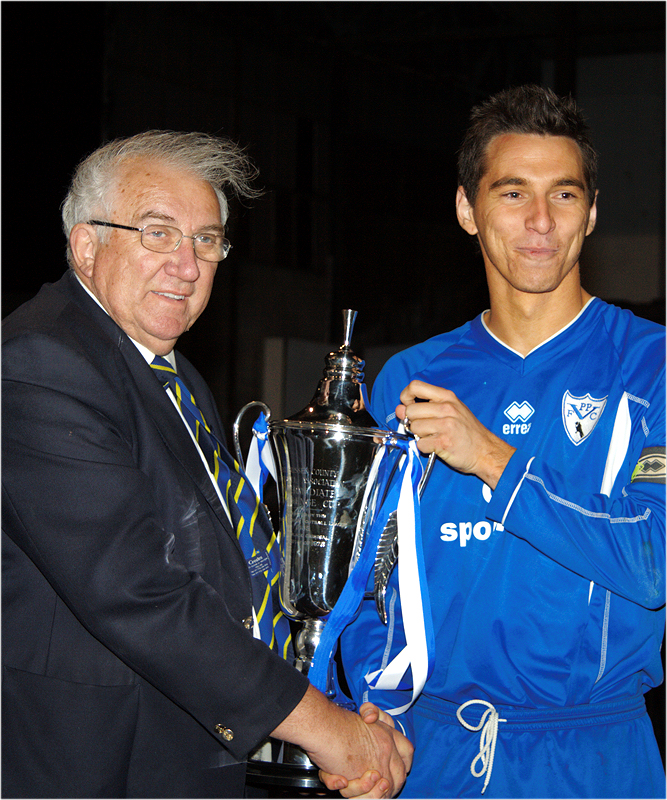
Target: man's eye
(156, 233)
(207, 238)
(512, 195)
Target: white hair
(216, 160)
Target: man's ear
(465, 212)
(593, 215)
(83, 242)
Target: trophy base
(283, 765)
(292, 776)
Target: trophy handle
(237, 423)
(426, 474)
(387, 552)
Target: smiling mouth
(170, 295)
(538, 251)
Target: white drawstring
(488, 724)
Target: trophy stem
(305, 645)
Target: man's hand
(357, 758)
(446, 427)
(371, 783)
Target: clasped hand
(380, 740)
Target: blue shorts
(600, 750)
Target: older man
(543, 522)
(142, 645)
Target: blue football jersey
(548, 592)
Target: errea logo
(519, 414)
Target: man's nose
(183, 262)
(540, 218)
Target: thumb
(370, 713)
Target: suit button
(247, 623)
(226, 733)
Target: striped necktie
(262, 556)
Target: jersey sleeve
(614, 537)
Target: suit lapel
(157, 404)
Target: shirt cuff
(508, 486)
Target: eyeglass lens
(165, 239)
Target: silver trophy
(323, 456)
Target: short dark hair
(523, 109)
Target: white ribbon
(415, 653)
(259, 453)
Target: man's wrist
(312, 722)
(494, 464)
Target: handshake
(360, 755)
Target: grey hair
(216, 160)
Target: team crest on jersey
(581, 415)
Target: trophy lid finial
(349, 317)
(339, 397)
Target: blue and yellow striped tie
(263, 557)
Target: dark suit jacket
(127, 667)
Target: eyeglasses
(165, 239)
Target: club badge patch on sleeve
(651, 466)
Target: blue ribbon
(348, 604)
(388, 490)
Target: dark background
(353, 113)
